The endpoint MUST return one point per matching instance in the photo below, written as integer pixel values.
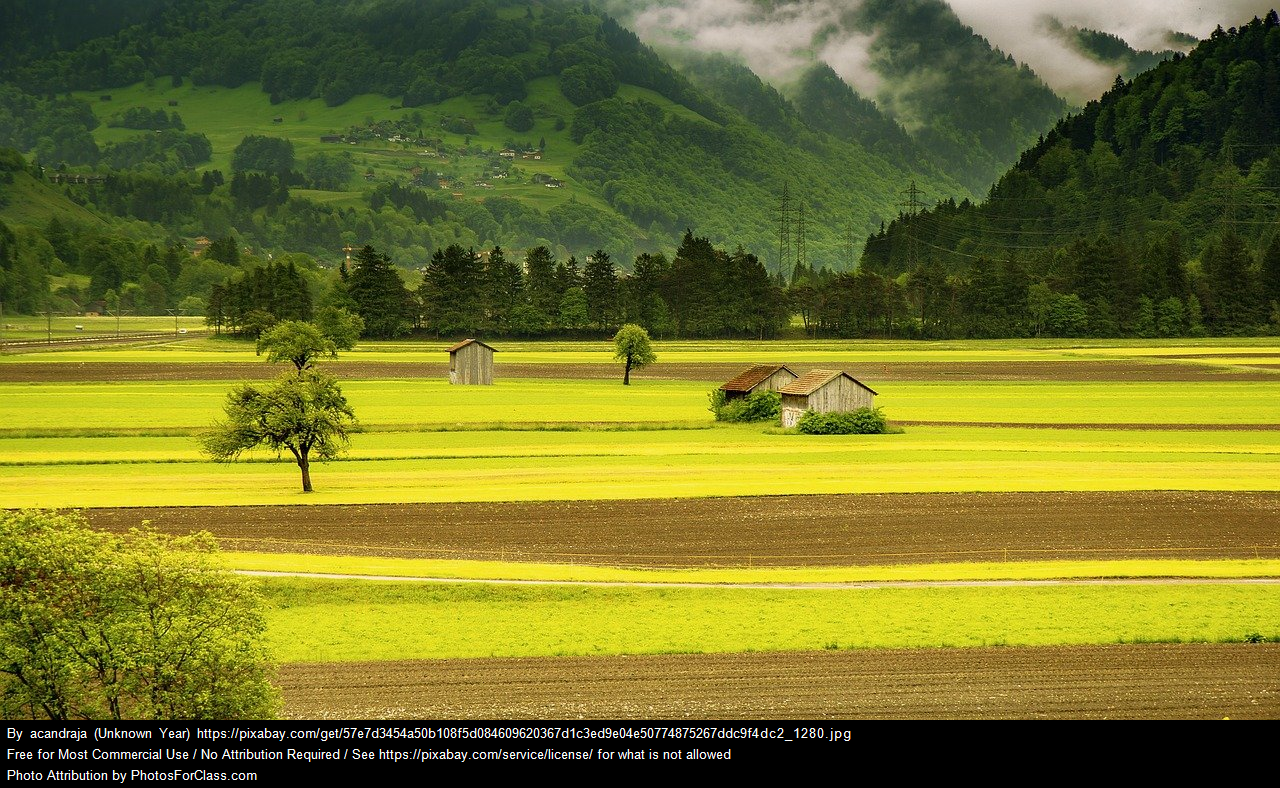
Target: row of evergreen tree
(700, 292)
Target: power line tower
(911, 208)
(784, 230)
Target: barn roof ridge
(466, 342)
(754, 376)
(815, 379)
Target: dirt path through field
(799, 530)
(1152, 681)
(870, 373)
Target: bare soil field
(800, 530)
(1147, 681)
(1150, 681)
(871, 373)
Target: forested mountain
(910, 64)
(1150, 212)
(310, 126)
(665, 156)
(1112, 50)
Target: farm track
(801, 530)
(1150, 681)
(22, 346)
(870, 373)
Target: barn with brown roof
(471, 363)
(762, 377)
(824, 391)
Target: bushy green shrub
(757, 406)
(863, 421)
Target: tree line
(701, 291)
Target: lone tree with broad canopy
(631, 345)
(303, 411)
(298, 342)
(95, 625)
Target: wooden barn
(471, 363)
(825, 391)
(762, 377)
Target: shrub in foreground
(863, 421)
(757, 406)
(95, 625)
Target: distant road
(22, 345)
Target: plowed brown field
(1156, 681)
(808, 530)
(1084, 371)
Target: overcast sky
(777, 43)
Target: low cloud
(1018, 28)
(777, 40)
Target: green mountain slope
(1151, 211)
(968, 106)
(1112, 50)
(431, 93)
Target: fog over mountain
(778, 38)
(1019, 28)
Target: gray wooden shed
(762, 377)
(471, 363)
(824, 391)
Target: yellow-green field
(103, 444)
(74, 408)
(739, 460)
(458, 620)
(746, 352)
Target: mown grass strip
(418, 403)
(597, 476)
(353, 620)
(580, 573)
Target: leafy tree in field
(303, 412)
(191, 305)
(297, 342)
(106, 626)
(339, 325)
(256, 322)
(631, 345)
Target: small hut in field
(471, 363)
(762, 377)
(824, 391)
